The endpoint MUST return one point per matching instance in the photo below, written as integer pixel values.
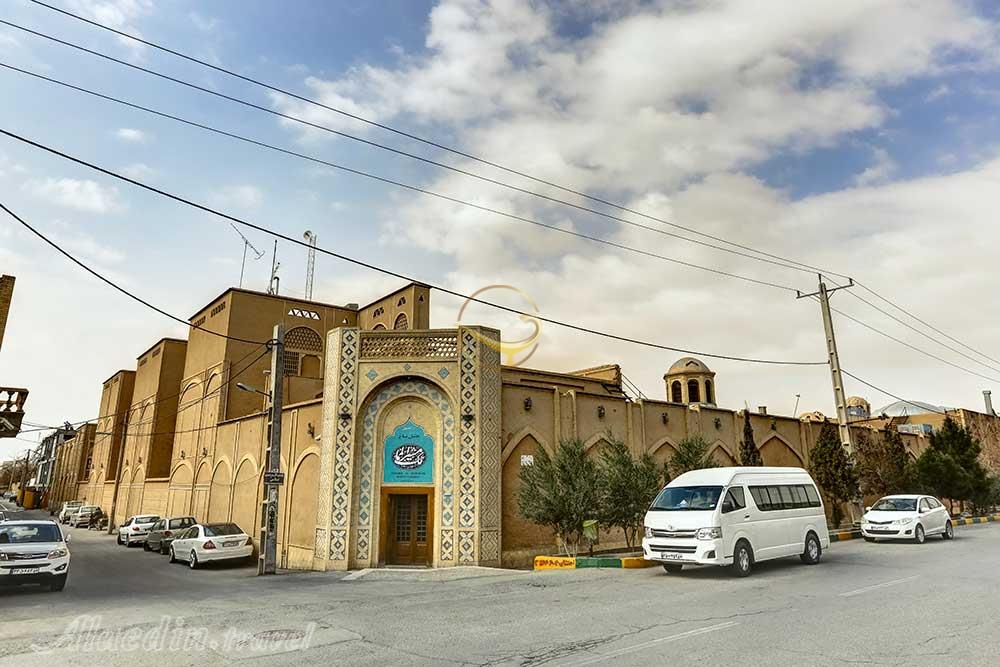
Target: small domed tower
(858, 408)
(689, 380)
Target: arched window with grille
(379, 327)
(694, 392)
(401, 323)
(709, 394)
(676, 394)
(303, 353)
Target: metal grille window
(401, 323)
(403, 525)
(421, 522)
(299, 342)
(291, 362)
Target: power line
(914, 347)
(400, 152)
(888, 393)
(412, 188)
(926, 324)
(396, 274)
(114, 285)
(481, 160)
(428, 142)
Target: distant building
(48, 453)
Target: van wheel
(949, 531)
(813, 551)
(742, 559)
(673, 568)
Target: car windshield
(181, 523)
(45, 532)
(683, 498)
(896, 505)
(146, 519)
(222, 529)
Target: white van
(736, 517)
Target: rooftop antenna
(272, 286)
(795, 410)
(246, 244)
(311, 264)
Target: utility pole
(840, 398)
(273, 477)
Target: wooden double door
(409, 529)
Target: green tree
(950, 466)
(833, 469)
(628, 486)
(692, 454)
(749, 454)
(561, 492)
(881, 462)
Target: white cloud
(246, 197)
(881, 169)
(941, 91)
(203, 23)
(121, 15)
(132, 135)
(79, 194)
(139, 171)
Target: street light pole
(267, 562)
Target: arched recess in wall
(303, 352)
(663, 450)
(517, 531)
(594, 443)
(188, 418)
(777, 451)
(134, 505)
(379, 327)
(721, 455)
(202, 485)
(709, 392)
(218, 497)
(245, 498)
(401, 323)
(179, 492)
(515, 440)
(302, 508)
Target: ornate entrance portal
(409, 532)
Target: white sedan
(907, 517)
(135, 530)
(204, 542)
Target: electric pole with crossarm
(273, 477)
(823, 295)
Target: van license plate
(25, 570)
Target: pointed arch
(665, 441)
(775, 449)
(595, 440)
(719, 446)
(516, 439)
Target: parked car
(163, 531)
(204, 542)
(3, 516)
(69, 507)
(736, 517)
(135, 529)
(33, 552)
(82, 516)
(907, 517)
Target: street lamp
(252, 390)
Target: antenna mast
(272, 286)
(246, 244)
(311, 263)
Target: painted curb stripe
(636, 562)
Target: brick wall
(6, 294)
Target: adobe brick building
(401, 444)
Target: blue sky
(857, 137)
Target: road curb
(581, 562)
(636, 562)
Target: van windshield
(682, 498)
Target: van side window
(736, 499)
(784, 497)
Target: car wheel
(869, 539)
(173, 556)
(58, 584)
(813, 550)
(742, 559)
(163, 549)
(949, 531)
(918, 534)
(673, 568)
(119, 539)
(193, 563)
(145, 545)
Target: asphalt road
(891, 604)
